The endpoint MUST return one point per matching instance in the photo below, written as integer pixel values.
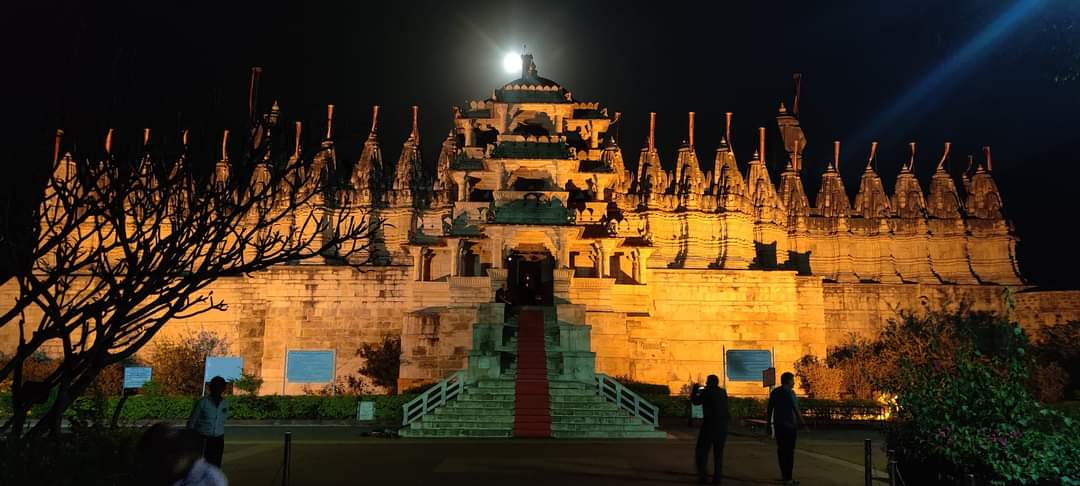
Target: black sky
(89, 66)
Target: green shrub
(964, 407)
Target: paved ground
(341, 455)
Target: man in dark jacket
(783, 413)
(713, 433)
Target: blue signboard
(228, 367)
(136, 376)
(310, 367)
(747, 364)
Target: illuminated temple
(655, 271)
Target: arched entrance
(530, 275)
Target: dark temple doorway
(530, 277)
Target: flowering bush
(963, 407)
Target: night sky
(970, 72)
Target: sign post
(136, 376)
(228, 367)
(310, 366)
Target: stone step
(597, 419)
(479, 405)
(461, 424)
(499, 384)
(601, 427)
(451, 433)
(588, 434)
(489, 394)
(575, 398)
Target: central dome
(531, 88)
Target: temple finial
(971, 163)
(761, 143)
(225, 146)
(652, 131)
(329, 121)
(253, 90)
(415, 134)
(836, 155)
(690, 139)
(108, 142)
(374, 119)
(989, 161)
(727, 126)
(56, 145)
(145, 137)
(911, 161)
(793, 163)
(296, 142)
(944, 156)
(873, 155)
(798, 91)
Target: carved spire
(984, 200)
(944, 201)
(652, 180)
(871, 201)
(989, 161)
(408, 171)
(767, 206)
(730, 186)
(832, 201)
(444, 188)
(907, 199)
(727, 128)
(797, 77)
(368, 173)
(612, 158)
(220, 177)
(792, 193)
(329, 122)
(690, 182)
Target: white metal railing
(433, 398)
(615, 392)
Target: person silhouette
(714, 428)
(208, 419)
(783, 411)
(167, 456)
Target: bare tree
(124, 246)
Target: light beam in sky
(511, 63)
(952, 70)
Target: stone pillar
(462, 193)
(642, 268)
(498, 256)
(607, 248)
(417, 253)
(454, 245)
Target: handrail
(433, 398)
(615, 392)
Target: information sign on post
(746, 364)
(768, 377)
(310, 367)
(228, 367)
(136, 376)
(365, 410)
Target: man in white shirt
(208, 419)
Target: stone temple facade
(671, 266)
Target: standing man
(208, 419)
(714, 428)
(783, 413)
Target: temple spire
(690, 135)
(415, 133)
(329, 121)
(989, 161)
(873, 155)
(834, 166)
(56, 145)
(911, 161)
(727, 127)
(652, 131)
(944, 157)
(797, 77)
(374, 121)
(296, 143)
(108, 142)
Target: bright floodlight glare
(511, 63)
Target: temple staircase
(530, 376)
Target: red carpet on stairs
(532, 406)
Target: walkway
(532, 406)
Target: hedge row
(388, 407)
(270, 407)
(679, 406)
